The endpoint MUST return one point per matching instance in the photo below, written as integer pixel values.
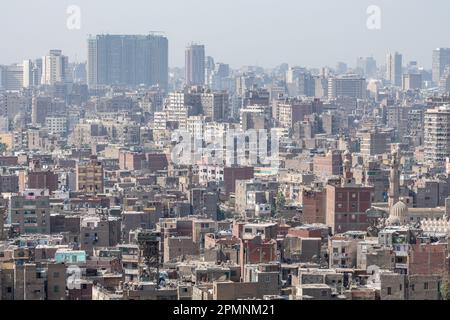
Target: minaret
(394, 180)
(347, 166)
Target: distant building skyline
(128, 60)
(233, 40)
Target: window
(324, 293)
(56, 289)
(412, 287)
(425, 285)
(55, 274)
(389, 291)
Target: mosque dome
(398, 213)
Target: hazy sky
(309, 33)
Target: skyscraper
(11, 77)
(32, 73)
(441, 59)
(128, 60)
(195, 65)
(27, 73)
(209, 70)
(367, 66)
(54, 68)
(394, 69)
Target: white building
(437, 134)
(394, 69)
(348, 86)
(210, 173)
(441, 60)
(27, 73)
(56, 125)
(54, 68)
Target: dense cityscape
(124, 179)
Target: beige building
(90, 176)
(8, 140)
(178, 247)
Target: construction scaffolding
(150, 258)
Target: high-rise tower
(441, 59)
(195, 65)
(128, 60)
(394, 69)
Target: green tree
(3, 147)
(445, 289)
(280, 202)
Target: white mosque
(431, 220)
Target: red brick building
(428, 259)
(157, 161)
(255, 250)
(308, 232)
(131, 160)
(8, 161)
(328, 165)
(347, 206)
(230, 175)
(42, 180)
(314, 206)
